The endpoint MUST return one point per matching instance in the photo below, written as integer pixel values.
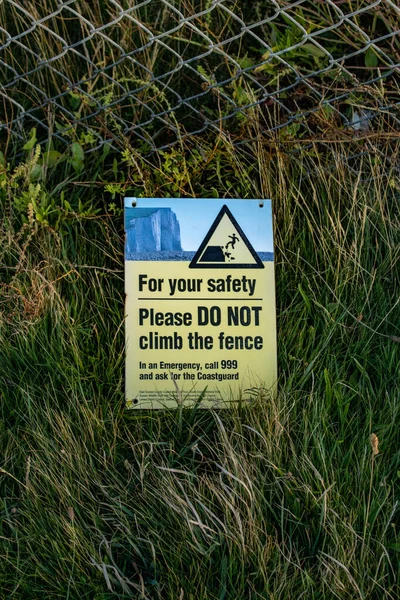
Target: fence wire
(157, 71)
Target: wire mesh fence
(157, 71)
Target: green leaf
(59, 126)
(32, 140)
(77, 156)
(305, 298)
(371, 59)
(51, 158)
(314, 50)
(241, 96)
(36, 172)
(74, 100)
(245, 62)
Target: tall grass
(289, 498)
(144, 67)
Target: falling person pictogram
(232, 243)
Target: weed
(286, 498)
(296, 496)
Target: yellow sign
(226, 246)
(200, 302)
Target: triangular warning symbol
(226, 246)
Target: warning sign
(226, 246)
(209, 336)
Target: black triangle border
(194, 264)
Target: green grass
(123, 66)
(281, 500)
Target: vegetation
(141, 69)
(296, 496)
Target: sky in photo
(196, 216)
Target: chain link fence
(156, 71)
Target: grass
(289, 498)
(143, 68)
(296, 497)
